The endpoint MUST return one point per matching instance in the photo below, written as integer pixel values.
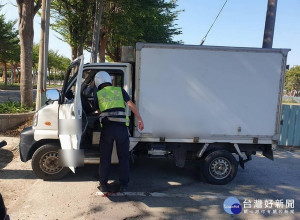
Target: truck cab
(69, 121)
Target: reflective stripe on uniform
(125, 120)
(104, 114)
(117, 119)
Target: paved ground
(13, 95)
(158, 190)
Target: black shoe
(103, 188)
(123, 188)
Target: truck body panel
(212, 93)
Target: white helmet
(102, 77)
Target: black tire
(45, 163)
(219, 167)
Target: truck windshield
(117, 76)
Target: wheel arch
(214, 147)
(39, 144)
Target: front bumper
(26, 143)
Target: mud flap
(268, 152)
(180, 156)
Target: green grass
(54, 86)
(11, 107)
(15, 86)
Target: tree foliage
(35, 57)
(73, 21)
(292, 80)
(124, 22)
(56, 62)
(9, 43)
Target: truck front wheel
(219, 167)
(45, 163)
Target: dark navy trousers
(114, 132)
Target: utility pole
(270, 24)
(40, 80)
(46, 46)
(43, 55)
(96, 32)
(11, 73)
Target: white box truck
(216, 105)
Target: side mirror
(52, 95)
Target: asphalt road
(158, 190)
(13, 95)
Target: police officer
(111, 101)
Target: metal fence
(290, 129)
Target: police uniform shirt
(105, 120)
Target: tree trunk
(18, 75)
(103, 43)
(74, 52)
(102, 53)
(54, 75)
(11, 73)
(80, 50)
(26, 15)
(5, 73)
(14, 74)
(49, 73)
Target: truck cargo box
(210, 92)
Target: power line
(204, 38)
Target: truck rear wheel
(219, 167)
(45, 163)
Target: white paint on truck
(209, 92)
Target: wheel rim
(220, 168)
(49, 163)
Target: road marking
(166, 195)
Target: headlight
(35, 119)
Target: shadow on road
(147, 170)
(6, 156)
(17, 174)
